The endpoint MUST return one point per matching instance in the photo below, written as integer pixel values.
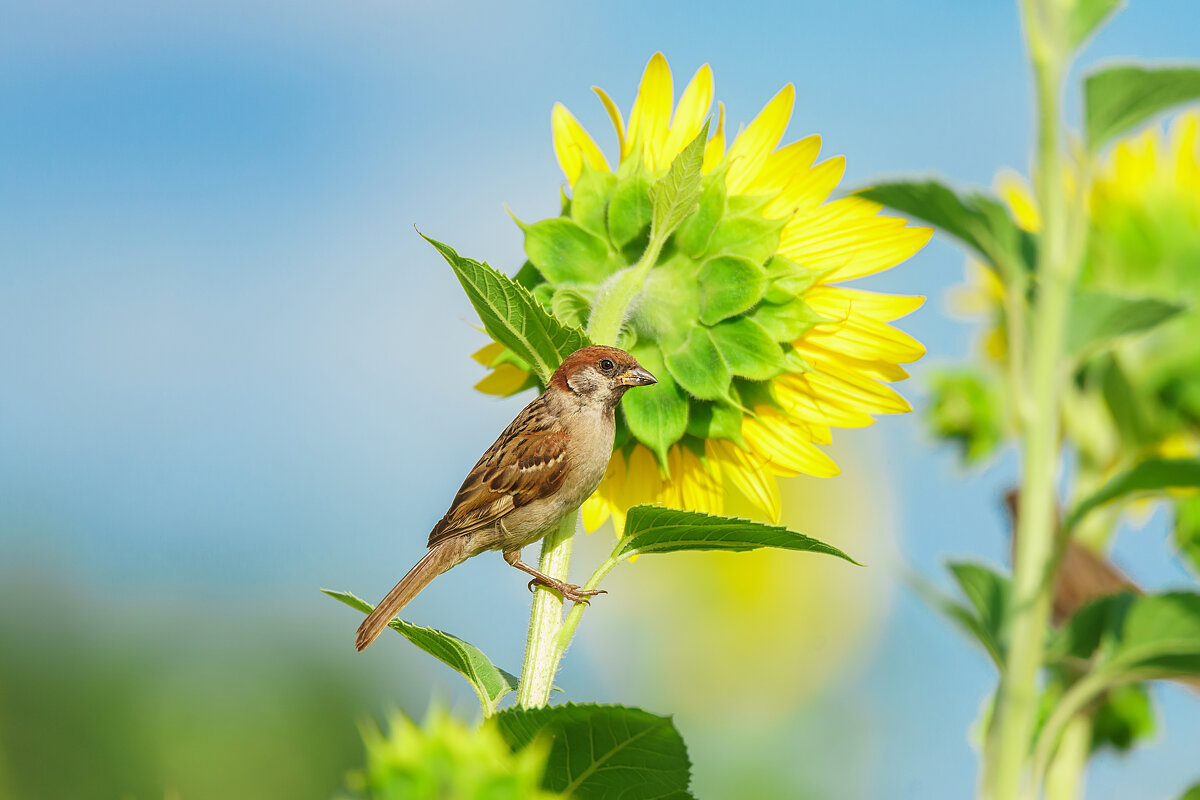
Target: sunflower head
(757, 353)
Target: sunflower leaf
(749, 350)
(657, 415)
(1120, 97)
(490, 682)
(654, 529)
(1088, 15)
(1099, 318)
(599, 751)
(1153, 474)
(1127, 636)
(676, 195)
(987, 592)
(589, 199)
(693, 234)
(697, 366)
(1187, 531)
(512, 316)
(978, 221)
(729, 285)
(566, 252)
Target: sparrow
(540, 470)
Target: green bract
(715, 315)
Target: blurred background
(231, 373)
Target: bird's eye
(606, 365)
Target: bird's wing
(526, 463)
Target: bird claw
(569, 591)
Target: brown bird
(540, 470)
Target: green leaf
(629, 209)
(589, 199)
(654, 529)
(965, 407)
(604, 752)
(1099, 318)
(729, 285)
(693, 234)
(1192, 794)
(566, 252)
(961, 616)
(751, 236)
(788, 321)
(1161, 636)
(490, 682)
(788, 279)
(748, 349)
(978, 221)
(1120, 97)
(657, 415)
(1127, 410)
(716, 420)
(987, 592)
(511, 316)
(676, 195)
(699, 368)
(571, 306)
(1153, 474)
(1187, 531)
(1088, 15)
(1125, 718)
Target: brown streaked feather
(526, 463)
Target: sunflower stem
(1036, 550)
(545, 619)
(1064, 777)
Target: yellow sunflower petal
(1017, 194)
(607, 497)
(774, 436)
(714, 151)
(614, 114)
(750, 150)
(595, 511)
(643, 481)
(671, 494)
(878, 369)
(700, 488)
(848, 240)
(841, 301)
(573, 146)
(748, 473)
(808, 189)
(689, 114)
(799, 399)
(651, 113)
(503, 380)
(488, 353)
(1186, 174)
(861, 337)
(785, 164)
(833, 382)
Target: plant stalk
(545, 619)
(1037, 551)
(1065, 776)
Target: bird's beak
(637, 376)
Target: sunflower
(759, 348)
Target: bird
(540, 470)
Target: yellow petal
(643, 481)
(785, 164)
(867, 339)
(701, 487)
(773, 436)
(807, 189)
(714, 151)
(833, 382)
(801, 400)
(847, 239)
(841, 301)
(1017, 194)
(503, 380)
(689, 114)
(614, 114)
(595, 512)
(573, 146)
(749, 151)
(488, 353)
(651, 113)
(878, 369)
(748, 473)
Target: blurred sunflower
(758, 351)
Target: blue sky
(217, 325)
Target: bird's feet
(569, 591)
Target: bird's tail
(440, 558)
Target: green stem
(1069, 706)
(1037, 551)
(1064, 776)
(618, 292)
(545, 619)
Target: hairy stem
(618, 292)
(1065, 775)
(545, 619)
(1037, 551)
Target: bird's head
(600, 374)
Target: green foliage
(1187, 531)
(566, 252)
(1153, 474)
(447, 759)
(1192, 794)
(657, 415)
(965, 407)
(589, 199)
(1118, 98)
(654, 529)
(1124, 719)
(1087, 16)
(978, 221)
(694, 233)
(599, 751)
(1126, 638)
(748, 349)
(729, 285)
(676, 195)
(490, 683)
(697, 366)
(629, 209)
(1098, 319)
(511, 316)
